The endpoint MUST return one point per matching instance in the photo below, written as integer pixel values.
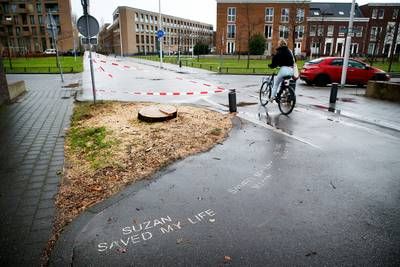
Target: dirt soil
(136, 150)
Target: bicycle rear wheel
(265, 93)
(287, 100)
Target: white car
(49, 51)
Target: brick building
(139, 29)
(327, 29)
(381, 28)
(23, 25)
(238, 20)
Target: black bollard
(333, 96)
(180, 63)
(232, 100)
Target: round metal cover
(93, 26)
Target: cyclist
(284, 59)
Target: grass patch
(43, 65)
(81, 112)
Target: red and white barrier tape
(189, 93)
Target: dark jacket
(283, 57)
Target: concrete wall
(384, 90)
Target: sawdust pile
(136, 150)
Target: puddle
(71, 85)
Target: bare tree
(394, 41)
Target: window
(137, 27)
(137, 38)
(147, 18)
(299, 32)
(151, 19)
(285, 15)
(313, 29)
(358, 31)
(268, 31)
(320, 30)
(356, 64)
(395, 13)
(299, 15)
(374, 33)
(337, 62)
(136, 16)
(374, 13)
(32, 19)
(141, 17)
(342, 30)
(331, 28)
(40, 20)
(269, 14)
(231, 31)
(39, 8)
(371, 48)
(283, 32)
(231, 14)
(381, 13)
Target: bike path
(262, 197)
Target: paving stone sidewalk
(31, 156)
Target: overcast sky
(199, 10)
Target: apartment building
(134, 31)
(383, 20)
(328, 26)
(237, 20)
(23, 25)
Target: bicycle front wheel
(287, 100)
(265, 93)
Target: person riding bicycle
(284, 59)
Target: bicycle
(286, 97)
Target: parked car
(325, 70)
(49, 51)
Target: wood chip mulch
(139, 150)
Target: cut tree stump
(157, 113)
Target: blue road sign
(160, 33)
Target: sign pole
(347, 49)
(53, 36)
(160, 39)
(91, 61)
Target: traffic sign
(85, 41)
(160, 34)
(85, 22)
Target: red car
(322, 71)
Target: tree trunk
(4, 95)
(394, 41)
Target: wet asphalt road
(315, 188)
